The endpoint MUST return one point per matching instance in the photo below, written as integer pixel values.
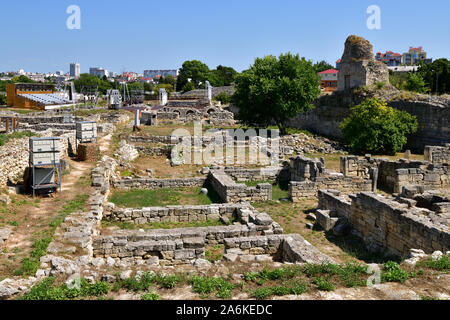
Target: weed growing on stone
(442, 264)
(392, 272)
(150, 296)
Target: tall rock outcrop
(359, 67)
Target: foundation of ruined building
(389, 225)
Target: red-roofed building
(328, 80)
(392, 59)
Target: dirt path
(32, 219)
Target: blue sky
(135, 35)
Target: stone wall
(15, 155)
(287, 248)
(308, 176)
(354, 166)
(394, 175)
(438, 155)
(203, 213)
(299, 191)
(433, 176)
(433, 115)
(260, 174)
(387, 225)
(231, 192)
(183, 246)
(155, 151)
(303, 169)
(333, 200)
(148, 183)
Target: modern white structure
(75, 70)
(163, 97)
(209, 88)
(98, 72)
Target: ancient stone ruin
(359, 67)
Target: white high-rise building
(75, 70)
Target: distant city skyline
(231, 33)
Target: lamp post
(437, 80)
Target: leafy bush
(223, 97)
(205, 286)
(189, 86)
(262, 293)
(150, 296)
(48, 290)
(323, 284)
(416, 83)
(167, 282)
(298, 287)
(393, 273)
(2, 99)
(375, 128)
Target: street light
(437, 81)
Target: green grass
(442, 264)
(150, 296)
(48, 290)
(205, 286)
(215, 253)
(161, 197)
(323, 284)
(5, 138)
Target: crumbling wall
(435, 154)
(14, 156)
(231, 192)
(288, 248)
(433, 176)
(185, 245)
(175, 214)
(304, 169)
(390, 226)
(148, 183)
(299, 191)
(309, 176)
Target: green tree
(87, 80)
(168, 87)
(375, 128)
(195, 70)
(416, 83)
(276, 90)
(21, 79)
(2, 100)
(322, 66)
(167, 80)
(436, 72)
(189, 86)
(222, 76)
(223, 97)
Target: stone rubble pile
(4, 234)
(126, 152)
